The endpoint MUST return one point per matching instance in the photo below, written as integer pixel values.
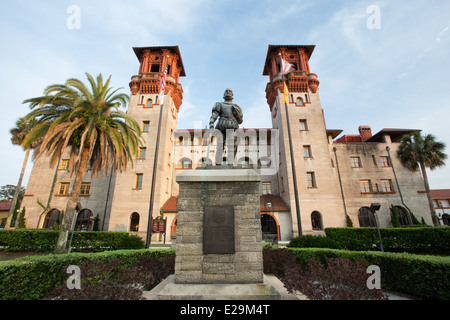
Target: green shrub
(413, 240)
(45, 240)
(310, 241)
(33, 277)
(417, 275)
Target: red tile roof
(349, 138)
(440, 194)
(5, 205)
(171, 205)
(277, 204)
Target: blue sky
(395, 76)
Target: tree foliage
(86, 122)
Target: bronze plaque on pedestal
(218, 230)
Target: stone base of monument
(218, 247)
(169, 290)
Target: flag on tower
(286, 66)
(286, 93)
(162, 85)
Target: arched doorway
(269, 228)
(52, 219)
(173, 231)
(85, 220)
(134, 222)
(316, 221)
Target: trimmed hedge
(32, 277)
(45, 240)
(424, 277)
(413, 240)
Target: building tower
(307, 181)
(141, 191)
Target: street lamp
(374, 207)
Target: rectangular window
(307, 151)
(356, 162)
(154, 68)
(139, 180)
(365, 186)
(386, 186)
(385, 162)
(311, 180)
(64, 165)
(63, 189)
(142, 152)
(146, 126)
(85, 188)
(267, 187)
(303, 125)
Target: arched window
(149, 103)
(446, 219)
(244, 162)
(366, 217)
(134, 222)
(316, 221)
(185, 163)
(51, 219)
(85, 220)
(299, 101)
(264, 163)
(204, 163)
(402, 215)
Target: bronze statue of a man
(230, 117)
(230, 114)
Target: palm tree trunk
(16, 193)
(72, 202)
(428, 192)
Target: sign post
(158, 225)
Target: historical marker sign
(159, 225)
(218, 230)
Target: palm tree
(18, 134)
(90, 125)
(422, 151)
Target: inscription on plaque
(218, 230)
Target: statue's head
(228, 95)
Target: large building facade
(311, 179)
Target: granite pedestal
(218, 246)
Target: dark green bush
(417, 275)
(413, 240)
(45, 241)
(33, 277)
(310, 241)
